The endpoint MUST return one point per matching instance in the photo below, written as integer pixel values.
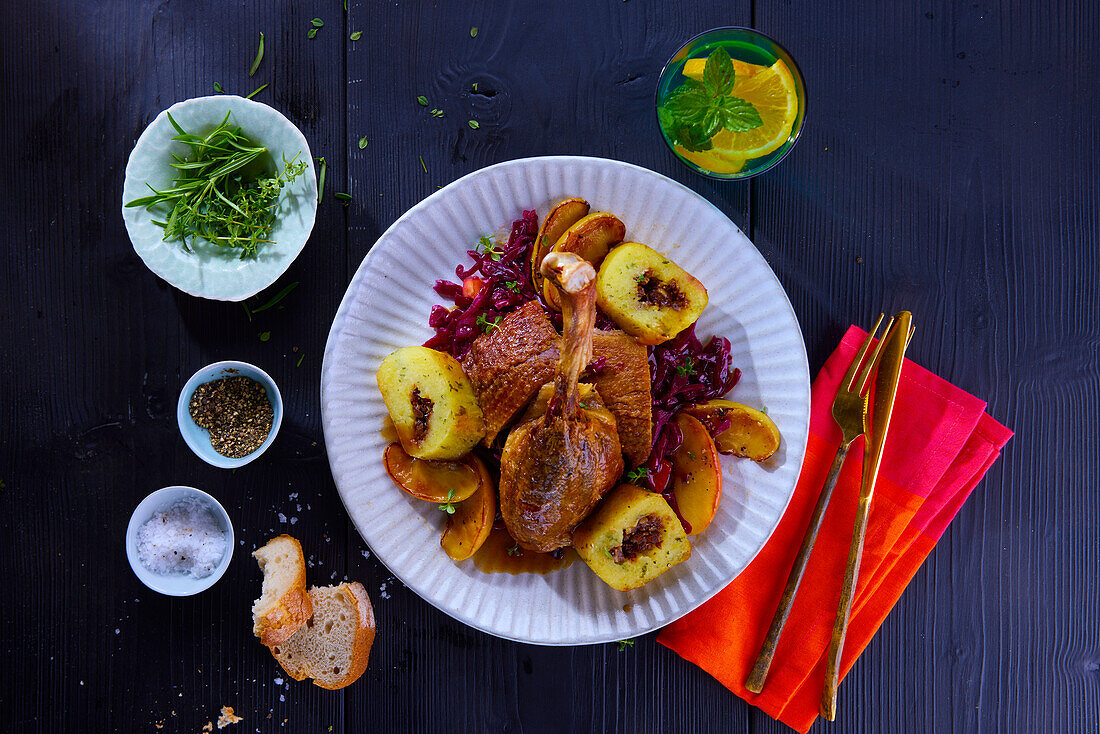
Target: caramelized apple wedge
(469, 527)
(696, 475)
(591, 238)
(751, 433)
(563, 216)
(650, 297)
(432, 481)
(632, 538)
(431, 403)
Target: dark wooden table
(948, 165)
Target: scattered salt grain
(185, 538)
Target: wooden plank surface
(948, 165)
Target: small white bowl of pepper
(229, 413)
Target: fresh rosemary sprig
(215, 197)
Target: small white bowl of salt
(179, 541)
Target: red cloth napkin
(941, 444)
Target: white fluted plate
(386, 307)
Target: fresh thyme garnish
(636, 475)
(301, 357)
(214, 198)
(449, 505)
(317, 22)
(362, 142)
(218, 88)
(341, 196)
(422, 163)
(356, 35)
(474, 124)
(256, 91)
(687, 369)
(259, 57)
(321, 178)
(265, 336)
(515, 550)
(473, 32)
(312, 33)
(274, 300)
(511, 285)
(486, 246)
(487, 325)
(473, 87)
(697, 111)
(691, 455)
(623, 644)
(422, 100)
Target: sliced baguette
(334, 645)
(284, 604)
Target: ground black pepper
(237, 413)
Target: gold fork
(850, 414)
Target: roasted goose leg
(558, 464)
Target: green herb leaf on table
(258, 59)
(623, 644)
(474, 124)
(312, 33)
(301, 357)
(437, 113)
(261, 88)
(356, 35)
(265, 336)
(317, 22)
(422, 100)
(422, 165)
(473, 32)
(321, 178)
(341, 196)
(362, 142)
(274, 300)
(218, 88)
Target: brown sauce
(493, 557)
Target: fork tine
(846, 381)
(872, 363)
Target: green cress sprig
(693, 114)
(214, 198)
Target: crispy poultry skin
(558, 465)
(624, 386)
(508, 365)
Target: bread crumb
(227, 717)
(209, 726)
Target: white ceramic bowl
(209, 271)
(175, 584)
(198, 439)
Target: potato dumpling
(590, 237)
(650, 297)
(632, 538)
(431, 403)
(751, 433)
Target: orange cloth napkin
(941, 444)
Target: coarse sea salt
(184, 538)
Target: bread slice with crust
(284, 604)
(332, 648)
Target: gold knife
(886, 387)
